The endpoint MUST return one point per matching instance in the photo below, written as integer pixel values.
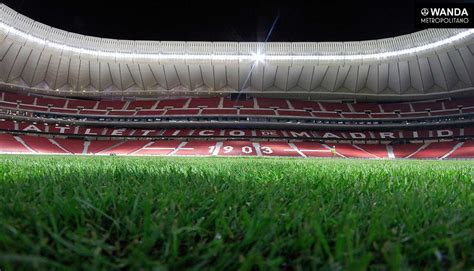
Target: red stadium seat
(196, 148)
(350, 151)
(422, 107)
(111, 104)
(237, 103)
(257, 112)
(271, 103)
(302, 105)
(86, 104)
(384, 116)
(63, 110)
(331, 107)
(204, 102)
(277, 149)
(121, 113)
(59, 103)
(237, 148)
(97, 146)
(8, 144)
(33, 108)
(466, 150)
(314, 149)
(178, 103)
(125, 147)
(326, 115)
(14, 97)
(92, 112)
(355, 116)
(74, 146)
(150, 112)
(219, 111)
(160, 147)
(405, 150)
(141, 104)
(182, 112)
(299, 113)
(435, 150)
(379, 150)
(42, 145)
(362, 107)
(392, 107)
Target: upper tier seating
(81, 104)
(272, 103)
(228, 103)
(420, 107)
(363, 107)
(204, 102)
(178, 103)
(141, 104)
(111, 104)
(225, 106)
(302, 105)
(393, 107)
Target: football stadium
(169, 155)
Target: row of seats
(228, 112)
(62, 105)
(39, 127)
(43, 145)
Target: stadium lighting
(255, 57)
(258, 57)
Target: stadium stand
(225, 147)
(262, 107)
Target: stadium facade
(409, 96)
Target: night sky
(225, 20)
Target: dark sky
(225, 20)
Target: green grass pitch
(119, 213)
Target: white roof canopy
(426, 64)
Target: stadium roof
(427, 64)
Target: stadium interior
(61, 94)
(273, 151)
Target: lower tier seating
(42, 145)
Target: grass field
(235, 213)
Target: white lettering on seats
(236, 133)
(118, 132)
(330, 135)
(444, 133)
(358, 135)
(299, 134)
(387, 135)
(206, 133)
(62, 130)
(146, 132)
(269, 133)
(88, 132)
(32, 127)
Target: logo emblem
(424, 11)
